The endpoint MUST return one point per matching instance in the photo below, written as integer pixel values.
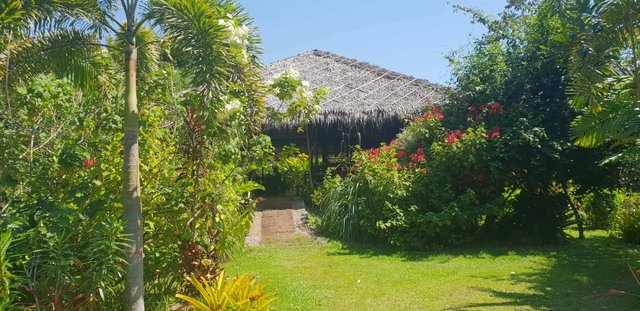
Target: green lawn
(309, 275)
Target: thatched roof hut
(363, 100)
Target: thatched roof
(358, 92)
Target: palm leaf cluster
(200, 43)
(605, 71)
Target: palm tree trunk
(132, 208)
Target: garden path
(277, 219)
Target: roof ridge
(354, 62)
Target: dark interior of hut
(331, 146)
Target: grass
(309, 275)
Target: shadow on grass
(576, 276)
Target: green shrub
(627, 218)
(292, 165)
(428, 187)
(238, 293)
(5, 274)
(366, 201)
(599, 208)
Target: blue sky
(408, 36)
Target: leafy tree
(523, 64)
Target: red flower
(373, 151)
(396, 165)
(472, 109)
(495, 108)
(493, 133)
(88, 163)
(420, 151)
(401, 153)
(424, 171)
(451, 138)
(417, 157)
(483, 106)
(393, 142)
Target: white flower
(292, 73)
(305, 84)
(232, 105)
(308, 94)
(238, 36)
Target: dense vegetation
(497, 160)
(167, 108)
(62, 195)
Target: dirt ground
(277, 219)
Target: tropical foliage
(515, 84)
(61, 132)
(605, 70)
(239, 293)
(427, 187)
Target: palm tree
(605, 71)
(208, 39)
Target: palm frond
(200, 43)
(10, 12)
(616, 121)
(66, 53)
(51, 15)
(148, 49)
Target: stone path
(277, 219)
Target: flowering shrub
(429, 186)
(374, 189)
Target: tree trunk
(576, 212)
(132, 208)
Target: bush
(627, 218)
(293, 166)
(5, 275)
(239, 293)
(599, 208)
(429, 187)
(367, 200)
